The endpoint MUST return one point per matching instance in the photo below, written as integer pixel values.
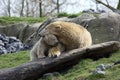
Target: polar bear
(71, 35)
(66, 35)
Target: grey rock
(101, 72)
(101, 67)
(13, 39)
(106, 27)
(108, 66)
(11, 49)
(3, 50)
(10, 44)
(1, 43)
(51, 74)
(17, 45)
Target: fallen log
(35, 69)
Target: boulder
(12, 29)
(19, 30)
(83, 19)
(28, 31)
(106, 27)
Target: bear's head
(50, 40)
(52, 28)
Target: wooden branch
(34, 70)
(107, 5)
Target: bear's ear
(58, 27)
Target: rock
(106, 27)
(101, 67)
(108, 66)
(1, 43)
(10, 49)
(86, 16)
(13, 39)
(83, 19)
(3, 38)
(101, 72)
(3, 50)
(26, 47)
(12, 29)
(19, 30)
(27, 31)
(51, 74)
(10, 44)
(17, 45)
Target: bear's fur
(71, 35)
(56, 50)
(38, 50)
(46, 46)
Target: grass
(11, 20)
(81, 71)
(64, 14)
(14, 59)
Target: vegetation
(14, 59)
(30, 20)
(68, 15)
(11, 20)
(80, 71)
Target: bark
(107, 5)
(118, 7)
(27, 8)
(9, 8)
(22, 8)
(58, 9)
(40, 8)
(35, 69)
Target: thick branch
(107, 5)
(118, 7)
(34, 70)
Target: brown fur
(70, 34)
(56, 50)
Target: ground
(11, 20)
(77, 72)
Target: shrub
(62, 15)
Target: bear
(56, 50)
(71, 35)
(46, 46)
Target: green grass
(11, 20)
(80, 71)
(64, 14)
(14, 59)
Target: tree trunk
(58, 9)
(35, 69)
(22, 7)
(27, 8)
(9, 8)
